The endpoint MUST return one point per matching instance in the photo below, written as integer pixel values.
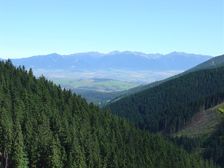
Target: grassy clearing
(203, 123)
(104, 85)
(221, 110)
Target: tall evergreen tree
(19, 157)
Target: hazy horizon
(106, 53)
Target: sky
(35, 27)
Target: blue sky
(33, 27)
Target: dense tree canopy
(42, 125)
(169, 106)
(211, 147)
(214, 146)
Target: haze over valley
(112, 84)
(110, 74)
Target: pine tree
(55, 156)
(19, 157)
(5, 136)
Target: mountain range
(97, 76)
(114, 60)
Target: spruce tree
(19, 157)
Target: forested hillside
(211, 147)
(214, 146)
(42, 125)
(215, 62)
(170, 105)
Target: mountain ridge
(191, 90)
(214, 62)
(116, 59)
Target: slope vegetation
(215, 62)
(169, 106)
(203, 123)
(42, 125)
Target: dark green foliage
(189, 144)
(42, 125)
(19, 158)
(211, 148)
(99, 98)
(169, 106)
(214, 146)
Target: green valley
(94, 84)
(42, 125)
(112, 84)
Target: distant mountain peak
(126, 60)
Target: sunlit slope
(204, 122)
